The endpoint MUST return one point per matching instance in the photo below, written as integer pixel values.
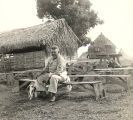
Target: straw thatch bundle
(101, 46)
(40, 37)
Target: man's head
(55, 51)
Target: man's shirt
(57, 65)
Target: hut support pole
(100, 61)
(118, 60)
(114, 58)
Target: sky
(117, 16)
(118, 22)
(17, 14)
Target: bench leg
(102, 90)
(99, 90)
(96, 90)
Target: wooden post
(102, 90)
(96, 90)
(118, 60)
(70, 69)
(114, 58)
(99, 90)
(126, 79)
(23, 85)
(100, 61)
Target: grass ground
(75, 106)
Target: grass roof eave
(57, 32)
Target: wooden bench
(97, 85)
(111, 72)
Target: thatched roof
(101, 41)
(40, 36)
(101, 46)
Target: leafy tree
(77, 13)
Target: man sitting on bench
(54, 72)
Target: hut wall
(23, 61)
(93, 52)
(4, 65)
(104, 50)
(29, 60)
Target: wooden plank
(97, 75)
(17, 72)
(96, 90)
(79, 83)
(24, 84)
(110, 69)
(28, 80)
(67, 83)
(107, 71)
(37, 70)
(78, 61)
(98, 86)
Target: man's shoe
(52, 99)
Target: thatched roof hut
(40, 37)
(30, 44)
(101, 41)
(101, 46)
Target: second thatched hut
(101, 46)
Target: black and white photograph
(66, 59)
